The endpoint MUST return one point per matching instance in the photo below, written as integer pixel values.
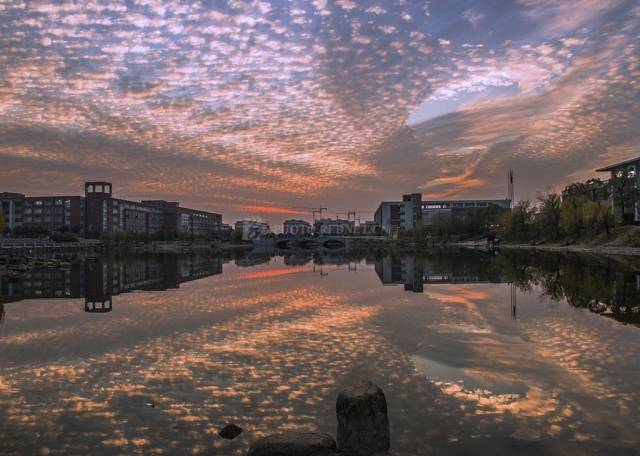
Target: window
(58, 202)
(38, 203)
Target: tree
(1, 222)
(572, 215)
(420, 231)
(490, 216)
(30, 231)
(441, 227)
(550, 213)
(598, 216)
(592, 189)
(516, 224)
(624, 191)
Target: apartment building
(252, 229)
(333, 227)
(98, 212)
(295, 227)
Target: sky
(265, 109)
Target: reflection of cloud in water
(270, 354)
(520, 369)
(534, 404)
(276, 272)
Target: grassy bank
(624, 240)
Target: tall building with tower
(395, 216)
(99, 213)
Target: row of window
(47, 202)
(58, 210)
(454, 204)
(67, 220)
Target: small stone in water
(230, 431)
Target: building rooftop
(330, 220)
(465, 200)
(11, 195)
(296, 221)
(617, 165)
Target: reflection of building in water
(98, 286)
(401, 270)
(330, 257)
(449, 277)
(250, 260)
(415, 273)
(297, 258)
(98, 280)
(45, 283)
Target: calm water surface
(513, 353)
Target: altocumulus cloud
(255, 105)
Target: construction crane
(314, 210)
(355, 216)
(317, 210)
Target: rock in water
(363, 424)
(230, 431)
(294, 444)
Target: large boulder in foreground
(363, 424)
(294, 444)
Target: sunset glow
(259, 107)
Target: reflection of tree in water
(604, 285)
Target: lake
(512, 353)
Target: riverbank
(584, 249)
(176, 247)
(193, 246)
(624, 240)
(560, 248)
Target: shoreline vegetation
(622, 240)
(580, 248)
(592, 217)
(618, 250)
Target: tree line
(581, 209)
(593, 207)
